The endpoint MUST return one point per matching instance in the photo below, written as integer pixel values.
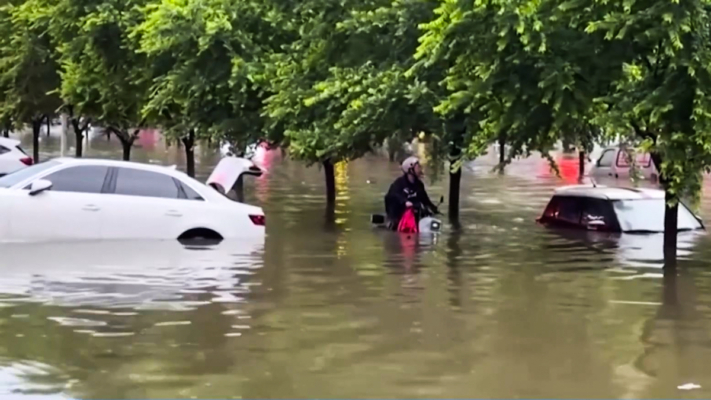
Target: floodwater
(504, 308)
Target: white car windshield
(14, 178)
(648, 216)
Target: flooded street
(504, 308)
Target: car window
(79, 179)
(4, 150)
(643, 160)
(607, 158)
(564, 209)
(136, 182)
(598, 210)
(26, 173)
(647, 215)
(189, 193)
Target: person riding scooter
(408, 191)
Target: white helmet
(409, 164)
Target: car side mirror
(39, 186)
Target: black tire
(200, 234)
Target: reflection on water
(502, 308)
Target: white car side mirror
(39, 186)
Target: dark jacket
(401, 191)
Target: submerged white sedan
(80, 199)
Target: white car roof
(609, 193)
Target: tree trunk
(671, 218)
(239, 189)
(126, 140)
(79, 135)
(581, 163)
(79, 148)
(330, 184)
(502, 149)
(392, 149)
(6, 132)
(456, 129)
(189, 143)
(455, 179)
(36, 131)
(49, 125)
(126, 150)
(671, 230)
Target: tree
(496, 81)
(534, 69)
(504, 75)
(28, 70)
(341, 87)
(205, 59)
(104, 77)
(80, 125)
(662, 96)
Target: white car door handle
(90, 207)
(173, 213)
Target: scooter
(426, 224)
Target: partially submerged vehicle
(615, 162)
(85, 199)
(612, 209)
(12, 156)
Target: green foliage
(511, 67)
(28, 68)
(104, 76)
(540, 71)
(662, 95)
(341, 87)
(205, 59)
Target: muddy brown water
(504, 308)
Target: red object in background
(569, 169)
(408, 222)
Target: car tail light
(258, 220)
(27, 161)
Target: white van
(614, 162)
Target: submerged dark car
(613, 209)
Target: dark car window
(607, 158)
(79, 179)
(564, 209)
(598, 210)
(4, 150)
(187, 192)
(136, 182)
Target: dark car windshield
(647, 215)
(25, 173)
